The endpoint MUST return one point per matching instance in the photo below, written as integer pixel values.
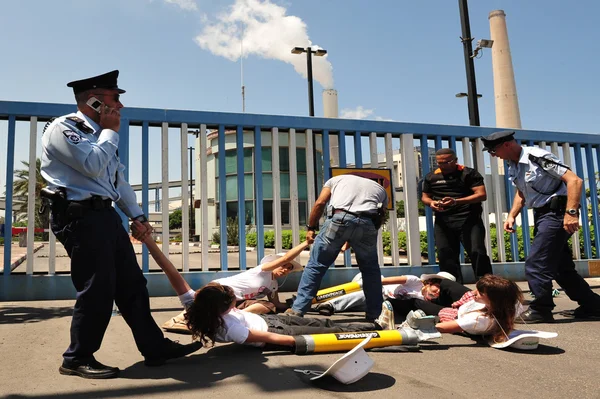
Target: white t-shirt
(251, 284)
(237, 323)
(472, 319)
(355, 194)
(411, 289)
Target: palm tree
(20, 190)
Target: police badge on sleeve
(72, 136)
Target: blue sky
(399, 60)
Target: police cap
(104, 81)
(493, 140)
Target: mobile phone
(95, 104)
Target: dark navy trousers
(104, 269)
(550, 258)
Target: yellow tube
(336, 291)
(337, 342)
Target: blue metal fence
(404, 134)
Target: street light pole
(311, 100)
(469, 65)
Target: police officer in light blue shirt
(548, 186)
(81, 164)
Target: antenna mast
(242, 70)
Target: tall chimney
(505, 89)
(330, 110)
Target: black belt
(557, 203)
(94, 203)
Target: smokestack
(330, 110)
(505, 89)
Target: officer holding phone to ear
(80, 162)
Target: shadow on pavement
(370, 382)
(540, 350)
(24, 314)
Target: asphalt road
(34, 334)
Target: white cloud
(188, 5)
(356, 113)
(266, 31)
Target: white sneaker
(386, 318)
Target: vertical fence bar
(165, 187)
(587, 244)
(123, 156)
(202, 179)
(485, 204)
(375, 164)
(311, 174)
(186, 209)
(145, 190)
(510, 195)
(31, 194)
(393, 219)
(258, 194)
(295, 217)
(358, 161)
(10, 166)
(428, 210)
(413, 236)
(241, 191)
(326, 158)
(498, 208)
(276, 192)
(221, 153)
(593, 196)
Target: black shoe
(325, 309)
(582, 313)
(172, 350)
(91, 369)
(531, 316)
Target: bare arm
(290, 255)
(448, 327)
(177, 281)
(479, 195)
(518, 204)
(574, 187)
(394, 280)
(317, 212)
(269, 338)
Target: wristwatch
(573, 212)
(142, 218)
(312, 228)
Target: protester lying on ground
(430, 292)
(212, 316)
(490, 309)
(253, 286)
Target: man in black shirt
(455, 193)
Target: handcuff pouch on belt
(556, 203)
(55, 199)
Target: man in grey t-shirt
(356, 205)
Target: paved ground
(34, 334)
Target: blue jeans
(361, 234)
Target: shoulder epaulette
(80, 124)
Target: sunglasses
(443, 163)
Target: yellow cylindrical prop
(338, 342)
(338, 290)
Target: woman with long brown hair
(491, 309)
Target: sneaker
(171, 350)
(292, 312)
(386, 318)
(177, 324)
(413, 319)
(531, 316)
(582, 313)
(325, 309)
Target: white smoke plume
(359, 112)
(188, 5)
(267, 32)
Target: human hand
(437, 206)
(141, 231)
(447, 202)
(509, 224)
(110, 118)
(310, 236)
(346, 246)
(571, 223)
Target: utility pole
(469, 65)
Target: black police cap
(491, 141)
(104, 81)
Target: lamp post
(460, 95)
(311, 103)
(469, 66)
